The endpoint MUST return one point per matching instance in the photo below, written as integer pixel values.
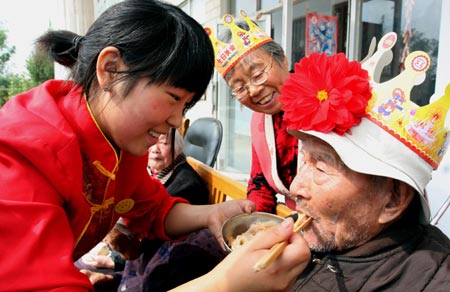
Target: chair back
(222, 187)
(203, 139)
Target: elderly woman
(167, 163)
(255, 73)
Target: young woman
(73, 153)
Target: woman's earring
(107, 88)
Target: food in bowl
(254, 229)
(238, 230)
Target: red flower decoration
(325, 93)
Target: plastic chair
(203, 139)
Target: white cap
(371, 150)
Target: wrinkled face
(258, 66)
(160, 154)
(344, 204)
(135, 122)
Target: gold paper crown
(425, 130)
(242, 42)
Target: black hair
(156, 40)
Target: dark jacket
(186, 183)
(414, 258)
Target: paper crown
(373, 126)
(424, 130)
(242, 42)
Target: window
(417, 24)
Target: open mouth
(266, 99)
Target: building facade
(303, 26)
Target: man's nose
(299, 186)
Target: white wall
(76, 16)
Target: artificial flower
(325, 93)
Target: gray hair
(178, 143)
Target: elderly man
(367, 155)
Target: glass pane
(276, 18)
(235, 152)
(298, 39)
(269, 4)
(417, 25)
(320, 37)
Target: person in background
(167, 163)
(254, 67)
(73, 153)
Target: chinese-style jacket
(62, 188)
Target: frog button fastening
(124, 206)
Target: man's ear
(401, 195)
(109, 62)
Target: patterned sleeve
(259, 191)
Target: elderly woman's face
(160, 154)
(269, 75)
(345, 205)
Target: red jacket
(274, 161)
(62, 188)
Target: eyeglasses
(257, 79)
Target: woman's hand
(235, 272)
(184, 218)
(221, 212)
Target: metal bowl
(239, 224)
